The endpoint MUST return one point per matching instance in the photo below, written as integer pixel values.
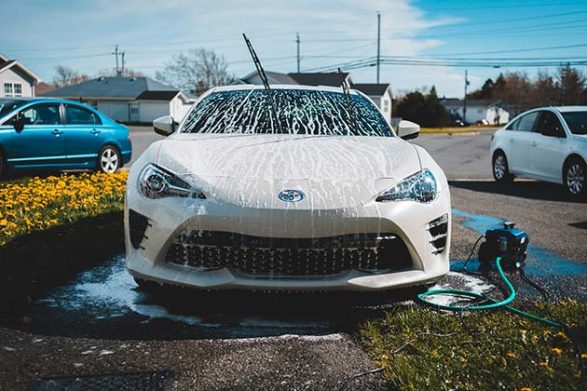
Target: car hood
(247, 166)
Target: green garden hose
(494, 304)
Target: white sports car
(328, 198)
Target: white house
(16, 80)
(478, 110)
(129, 99)
(379, 93)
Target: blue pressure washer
(506, 249)
(508, 243)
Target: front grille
(137, 225)
(284, 257)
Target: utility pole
(298, 50)
(116, 56)
(378, 44)
(122, 68)
(465, 99)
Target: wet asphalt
(100, 323)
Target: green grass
(420, 349)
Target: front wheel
(574, 177)
(109, 159)
(501, 170)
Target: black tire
(575, 177)
(109, 159)
(500, 168)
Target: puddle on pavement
(105, 302)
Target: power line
(516, 50)
(503, 21)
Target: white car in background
(329, 198)
(548, 144)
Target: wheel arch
(569, 158)
(498, 149)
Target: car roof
(565, 109)
(41, 100)
(241, 87)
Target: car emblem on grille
(291, 195)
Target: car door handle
(56, 132)
(95, 131)
(533, 143)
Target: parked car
(548, 144)
(327, 197)
(59, 134)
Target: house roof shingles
(113, 87)
(371, 89)
(331, 79)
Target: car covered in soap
(294, 188)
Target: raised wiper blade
(349, 100)
(263, 76)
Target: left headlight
(419, 187)
(155, 182)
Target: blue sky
(82, 34)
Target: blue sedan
(59, 134)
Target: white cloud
(149, 31)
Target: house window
(385, 106)
(17, 89)
(8, 89)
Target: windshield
(6, 106)
(577, 121)
(309, 112)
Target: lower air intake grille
(280, 257)
(438, 229)
(137, 226)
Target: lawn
(420, 348)
(458, 130)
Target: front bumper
(168, 218)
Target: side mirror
(164, 125)
(408, 130)
(18, 123)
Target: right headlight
(420, 187)
(155, 182)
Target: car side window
(41, 114)
(527, 122)
(549, 125)
(513, 125)
(76, 115)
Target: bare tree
(196, 71)
(66, 76)
(545, 90)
